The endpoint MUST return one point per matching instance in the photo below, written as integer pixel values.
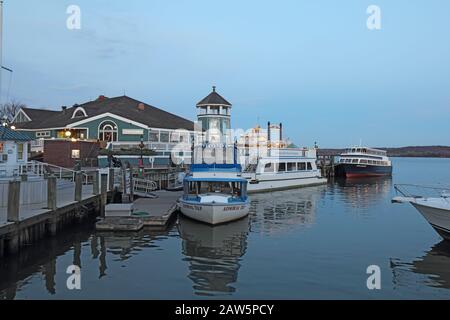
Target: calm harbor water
(312, 243)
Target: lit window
(108, 131)
(75, 154)
(20, 151)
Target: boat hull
(358, 170)
(216, 213)
(277, 185)
(438, 218)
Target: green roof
(6, 134)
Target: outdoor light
(68, 134)
(13, 127)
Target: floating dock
(155, 213)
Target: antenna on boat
(360, 142)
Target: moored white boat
(285, 168)
(215, 194)
(436, 210)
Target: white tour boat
(435, 209)
(284, 168)
(215, 194)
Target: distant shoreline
(402, 152)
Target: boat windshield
(235, 189)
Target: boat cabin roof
(367, 151)
(192, 179)
(229, 168)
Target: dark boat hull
(357, 170)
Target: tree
(9, 110)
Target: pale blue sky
(311, 64)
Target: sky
(311, 64)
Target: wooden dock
(66, 203)
(155, 213)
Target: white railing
(40, 168)
(31, 192)
(142, 186)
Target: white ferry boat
(215, 194)
(272, 163)
(363, 162)
(284, 169)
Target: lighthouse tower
(214, 115)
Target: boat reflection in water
(214, 254)
(434, 266)
(283, 210)
(85, 247)
(362, 193)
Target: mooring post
(131, 185)
(13, 243)
(51, 193)
(2, 247)
(111, 179)
(104, 193)
(13, 201)
(96, 183)
(78, 186)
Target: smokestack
(281, 132)
(64, 108)
(268, 131)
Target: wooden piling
(13, 201)
(13, 244)
(104, 193)
(96, 183)
(131, 185)
(111, 179)
(51, 193)
(2, 248)
(78, 186)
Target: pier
(33, 207)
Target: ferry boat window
(281, 167)
(302, 166)
(355, 161)
(309, 166)
(363, 161)
(291, 166)
(269, 167)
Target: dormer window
(79, 113)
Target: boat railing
(421, 191)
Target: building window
(153, 136)
(164, 137)
(20, 151)
(107, 131)
(21, 117)
(43, 134)
(75, 154)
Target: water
(313, 243)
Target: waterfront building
(13, 151)
(117, 123)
